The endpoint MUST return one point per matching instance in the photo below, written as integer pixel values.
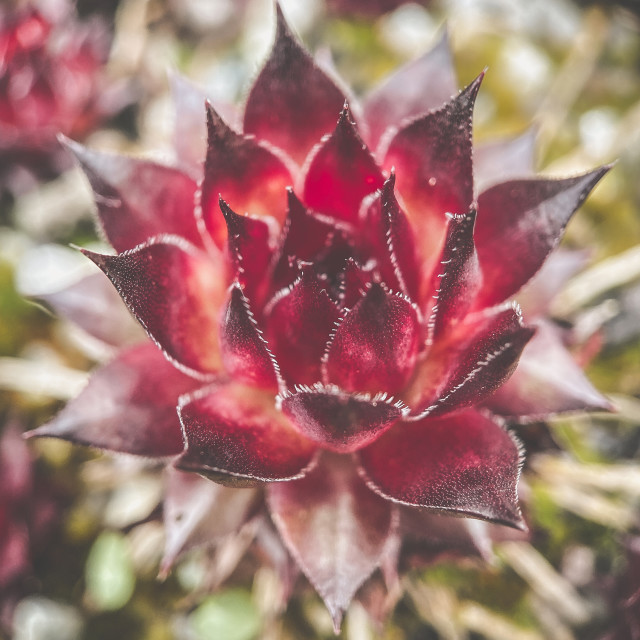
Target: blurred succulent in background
(333, 321)
(51, 81)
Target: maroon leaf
(463, 464)
(176, 293)
(339, 421)
(456, 278)
(341, 172)
(503, 160)
(198, 512)
(334, 527)
(129, 406)
(355, 280)
(392, 239)
(432, 159)
(470, 364)
(138, 199)
(412, 90)
(546, 382)
(299, 323)
(524, 218)
(292, 102)
(245, 354)
(375, 345)
(250, 175)
(236, 432)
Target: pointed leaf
(456, 279)
(432, 159)
(412, 90)
(546, 382)
(334, 527)
(299, 323)
(470, 364)
(464, 464)
(524, 218)
(197, 512)
(339, 421)
(355, 281)
(278, 111)
(341, 172)
(176, 293)
(250, 175)
(129, 406)
(375, 345)
(138, 199)
(236, 432)
(245, 354)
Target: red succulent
(49, 82)
(334, 318)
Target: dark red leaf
(138, 199)
(355, 281)
(341, 172)
(524, 218)
(250, 175)
(335, 528)
(292, 102)
(129, 406)
(234, 431)
(176, 292)
(339, 421)
(412, 90)
(463, 464)
(375, 346)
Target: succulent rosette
(50, 81)
(328, 305)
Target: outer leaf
(470, 364)
(339, 421)
(432, 159)
(463, 464)
(278, 110)
(547, 382)
(235, 432)
(334, 527)
(341, 172)
(524, 218)
(245, 353)
(250, 175)
(129, 406)
(176, 292)
(138, 199)
(375, 345)
(412, 90)
(197, 511)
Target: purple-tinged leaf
(546, 382)
(463, 464)
(456, 278)
(249, 174)
(355, 281)
(339, 421)
(375, 345)
(292, 102)
(234, 434)
(128, 406)
(138, 199)
(432, 159)
(298, 325)
(245, 353)
(341, 172)
(335, 528)
(176, 292)
(412, 90)
(199, 512)
(393, 240)
(524, 218)
(470, 364)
